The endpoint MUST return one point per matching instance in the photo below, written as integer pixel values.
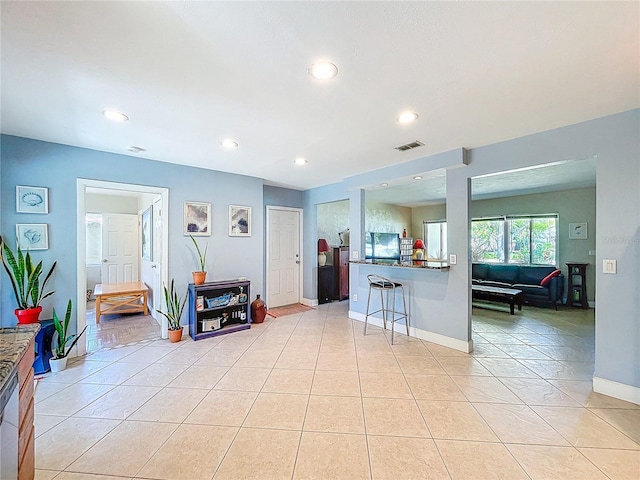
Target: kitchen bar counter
(14, 342)
(17, 353)
(426, 264)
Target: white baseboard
(449, 342)
(622, 391)
(310, 302)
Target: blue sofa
(522, 277)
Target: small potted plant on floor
(25, 280)
(175, 306)
(200, 276)
(64, 342)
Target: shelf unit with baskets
(217, 308)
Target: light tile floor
(309, 396)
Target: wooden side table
(577, 293)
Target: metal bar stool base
(386, 287)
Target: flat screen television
(382, 246)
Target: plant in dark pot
(200, 276)
(25, 281)
(175, 306)
(62, 342)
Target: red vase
(258, 310)
(30, 315)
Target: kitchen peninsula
(427, 285)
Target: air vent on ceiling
(409, 146)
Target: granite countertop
(13, 344)
(425, 264)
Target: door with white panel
(120, 248)
(284, 257)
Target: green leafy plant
(25, 277)
(175, 306)
(202, 258)
(61, 349)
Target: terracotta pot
(175, 335)
(258, 310)
(30, 315)
(199, 277)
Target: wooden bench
(117, 298)
(511, 296)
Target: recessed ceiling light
(417, 177)
(323, 70)
(300, 161)
(384, 184)
(115, 116)
(134, 149)
(407, 117)
(229, 144)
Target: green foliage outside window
(516, 240)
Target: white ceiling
(189, 74)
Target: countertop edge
(14, 342)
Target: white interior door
(284, 262)
(120, 248)
(157, 256)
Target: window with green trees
(525, 240)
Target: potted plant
(200, 276)
(61, 347)
(175, 306)
(25, 280)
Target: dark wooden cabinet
(341, 272)
(326, 284)
(577, 296)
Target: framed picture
(32, 236)
(239, 221)
(32, 199)
(577, 231)
(147, 234)
(197, 219)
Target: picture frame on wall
(577, 231)
(197, 219)
(32, 236)
(147, 234)
(239, 221)
(32, 199)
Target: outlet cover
(355, 255)
(355, 297)
(592, 253)
(609, 266)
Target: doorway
(284, 256)
(161, 262)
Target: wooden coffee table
(116, 298)
(511, 296)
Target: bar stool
(386, 288)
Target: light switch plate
(453, 259)
(355, 255)
(609, 266)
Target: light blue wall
(313, 197)
(30, 162)
(615, 141)
(282, 197)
